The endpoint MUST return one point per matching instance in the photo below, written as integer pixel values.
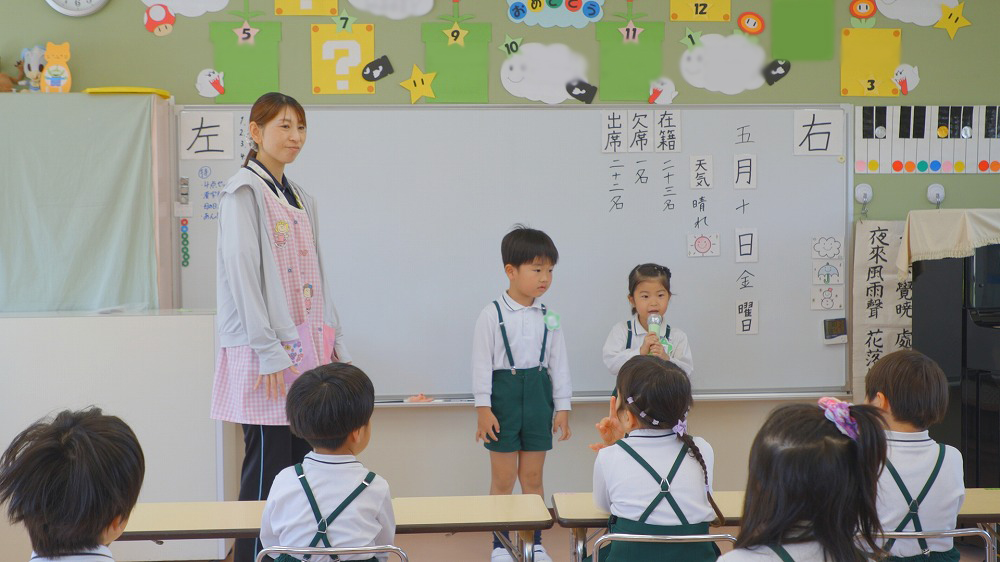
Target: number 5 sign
(700, 10)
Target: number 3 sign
(700, 10)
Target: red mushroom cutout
(159, 20)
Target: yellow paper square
(868, 59)
(700, 10)
(305, 7)
(338, 58)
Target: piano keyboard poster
(927, 139)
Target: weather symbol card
(828, 272)
(826, 247)
(828, 297)
(703, 245)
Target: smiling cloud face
(190, 8)
(724, 63)
(540, 72)
(920, 12)
(394, 9)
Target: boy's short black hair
(522, 245)
(68, 479)
(329, 402)
(914, 385)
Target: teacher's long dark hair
(810, 482)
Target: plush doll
(33, 64)
(7, 82)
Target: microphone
(654, 322)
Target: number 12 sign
(700, 10)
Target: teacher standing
(275, 319)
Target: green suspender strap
(664, 483)
(914, 503)
(321, 523)
(781, 552)
(506, 342)
(628, 339)
(545, 338)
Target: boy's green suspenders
(323, 523)
(781, 552)
(914, 503)
(664, 483)
(628, 339)
(506, 342)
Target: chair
(333, 551)
(991, 547)
(656, 538)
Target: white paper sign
(614, 132)
(667, 130)
(828, 272)
(828, 297)
(746, 245)
(818, 132)
(701, 172)
(205, 135)
(745, 171)
(640, 131)
(747, 314)
(703, 245)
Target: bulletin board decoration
(340, 52)
(247, 54)
(631, 54)
(459, 53)
(312, 8)
(868, 62)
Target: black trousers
(268, 449)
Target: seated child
(73, 482)
(331, 499)
(810, 494)
(912, 391)
(651, 475)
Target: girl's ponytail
(696, 453)
(871, 451)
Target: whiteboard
(413, 203)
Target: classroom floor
(476, 547)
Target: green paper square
(250, 70)
(462, 71)
(627, 69)
(802, 30)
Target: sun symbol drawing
(700, 245)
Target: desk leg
(526, 541)
(578, 544)
(991, 530)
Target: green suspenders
(914, 503)
(628, 340)
(506, 342)
(781, 552)
(664, 483)
(321, 523)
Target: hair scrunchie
(839, 412)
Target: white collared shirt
(288, 519)
(616, 354)
(525, 330)
(913, 455)
(802, 552)
(624, 488)
(98, 554)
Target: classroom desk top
(577, 510)
(445, 514)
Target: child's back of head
(914, 386)
(326, 404)
(71, 479)
(809, 481)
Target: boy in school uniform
(73, 482)
(520, 373)
(923, 484)
(330, 499)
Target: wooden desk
(577, 512)
(447, 514)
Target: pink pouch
(302, 352)
(329, 343)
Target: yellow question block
(868, 59)
(339, 57)
(305, 7)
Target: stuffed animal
(33, 63)
(8, 82)
(56, 77)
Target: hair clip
(642, 413)
(681, 428)
(839, 412)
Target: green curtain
(76, 203)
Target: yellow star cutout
(870, 86)
(456, 35)
(952, 19)
(419, 84)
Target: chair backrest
(656, 538)
(991, 547)
(316, 551)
